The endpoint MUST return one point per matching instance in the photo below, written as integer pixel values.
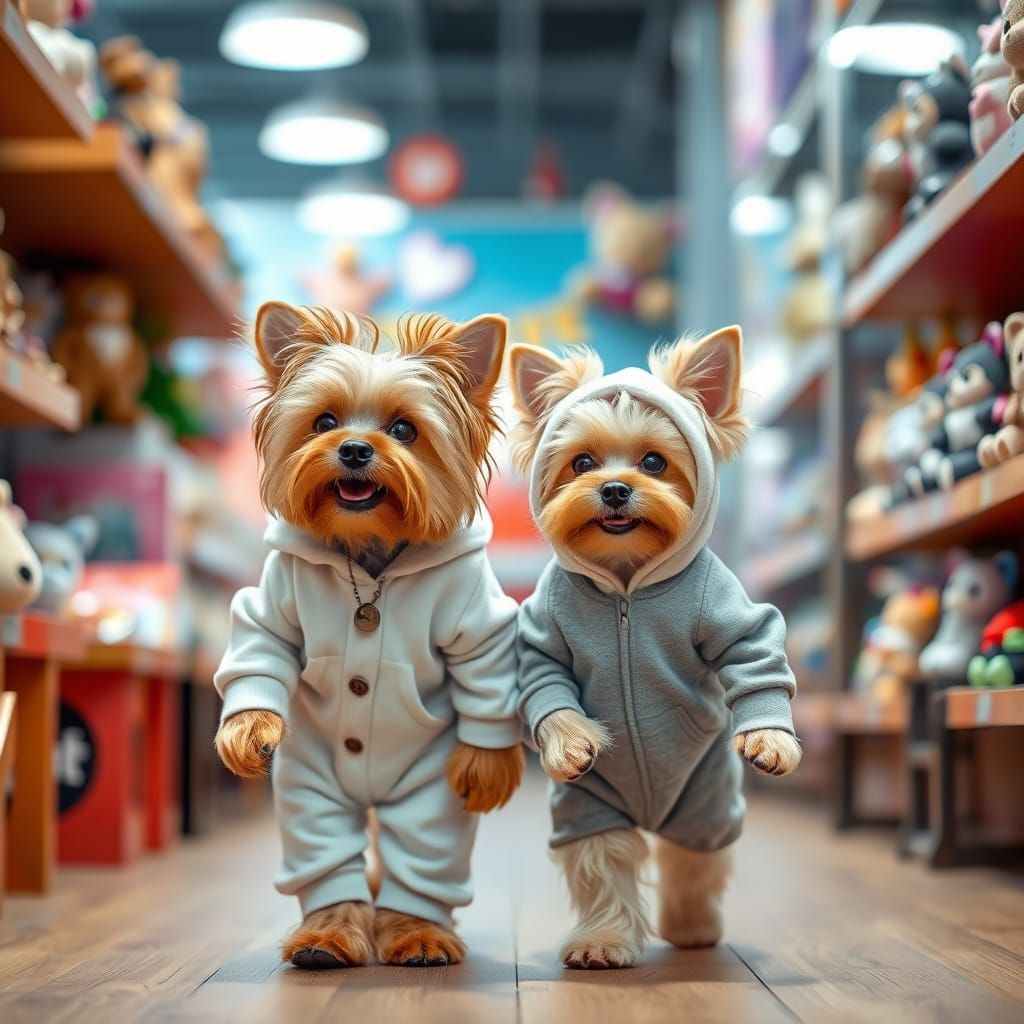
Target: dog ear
(481, 344)
(277, 324)
(540, 380)
(708, 373)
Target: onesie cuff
(546, 701)
(763, 709)
(489, 733)
(255, 693)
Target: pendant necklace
(367, 617)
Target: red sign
(427, 170)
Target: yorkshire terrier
(377, 654)
(644, 667)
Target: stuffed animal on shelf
(74, 58)
(1000, 661)
(937, 131)
(1009, 440)
(977, 588)
(20, 572)
(12, 315)
(990, 89)
(976, 387)
(62, 551)
(103, 356)
(631, 247)
(345, 285)
(809, 306)
(1013, 54)
(863, 225)
(910, 366)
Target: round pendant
(367, 618)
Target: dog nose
(355, 454)
(615, 493)
(25, 573)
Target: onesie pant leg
(426, 840)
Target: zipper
(624, 614)
(628, 707)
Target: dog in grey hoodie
(644, 667)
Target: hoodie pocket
(403, 680)
(322, 673)
(696, 727)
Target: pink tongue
(621, 521)
(356, 490)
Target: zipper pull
(623, 613)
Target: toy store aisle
(820, 928)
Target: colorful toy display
(977, 588)
(1000, 661)
(20, 572)
(1008, 441)
(378, 632)
(623, 476)
(62, 550)
(1013, 54)
(990, 89)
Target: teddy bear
(20, 572)
(103, 356)
(1013, 54)
(1008, 441)
(990, 88)
(631, 245)
(61, 550)
(809, 306)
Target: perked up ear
(708, 373)
(481, 343)
(276, 326)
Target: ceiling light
(318, 131)
(342, 209)
(760, 215)
(291, 35)
(893, 48)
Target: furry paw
(569, 744)
(485, 779)
(337, 936)
(695, 924)
(413, 942)
(246, 742)
(771, 751)
(599, 951)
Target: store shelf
(29, 398)
(987, 507)
(161, 663)
(71, 204)
(37, 102)
(789, 561)
(40, 635)
(802, 390)
(953, 258)
(967, 708)
(856, 714)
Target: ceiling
(496, 76)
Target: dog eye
(583, 464)
(324, 422)
(653, 463)
(402, 431)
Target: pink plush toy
(990, 93)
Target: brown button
(359, 686)
(353, 746)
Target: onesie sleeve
(260, 669)
(745, 644)
(482, 661)
(546, 681)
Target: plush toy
(863, 225)
(20, 572)
(12, 315)
(1013, 54)
(976, 388)
(809, 306)
(977, 588)
(1000, 661)
(910, 366)
(103, 356)
(1009, 440)
(937, 131)
(631, 246)
(61, 551)
(74, 58)
(344, 285)
(990, 89)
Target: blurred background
(841, 178)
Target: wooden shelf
(78, 205)
(857, 715)
(789, 561)
(967, 708)
(802, 391)
(161, 663)
(953, 258)
(985, 507)
(38, 103)
(33, 634)
(29, 398)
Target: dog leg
(414, 942)
(337, 936)
(601, 873)
(690, 889)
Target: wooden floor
(820, 929)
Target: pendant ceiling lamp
(346, 209)
(294, 35)
(322, 131)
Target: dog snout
(355, 454)
(615, 493)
